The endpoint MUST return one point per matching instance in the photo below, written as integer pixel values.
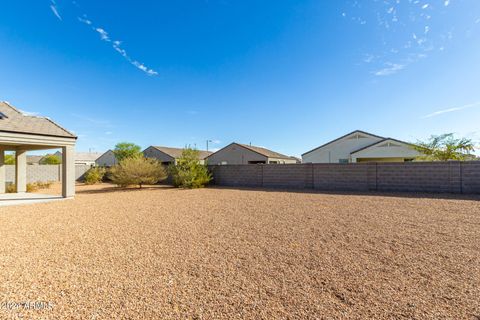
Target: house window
(342, 160)
(223, 163)
(273, 162)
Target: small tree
(446, 147)
(51, 159)
(94, 175)
(9, 159)
(125, 150)
(137, 171)
(188, 172)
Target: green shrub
(51, 159)
(137, 171)
(125, 150)
(188, 172)
(94, 175)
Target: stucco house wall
(107, 159)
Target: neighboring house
(83, 158)
(237, 153)
(34, 159)
(107, 159)
(167, 155)
(361, 146)
(297, 160)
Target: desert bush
(44, 184)
(31, 187)
(12, 187)
(188, 172)
(137, 171)
(94, 175)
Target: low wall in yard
(452, 177)
(44, 173)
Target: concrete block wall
(441, 177)
(342, 177)
(470, 176)
(44, 173)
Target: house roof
(346, 135)
(177, 152)
(34, 159)
(87, 156)
(15, 121)
(263, 151)
(378, 142)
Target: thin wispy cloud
(53, 7)
(116, 45)
(404, 27)
(391, 68)
(454, 109)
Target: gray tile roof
(177, 152)
(87, 156)
(16, 121)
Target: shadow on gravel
(112, 189)
(415, 195)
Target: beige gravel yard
(219, 253)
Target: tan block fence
(44, 173)
(441, 177)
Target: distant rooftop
(177, 152)
(266, 152)
(13, 120)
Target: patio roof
(14, 121)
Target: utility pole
(208, 142)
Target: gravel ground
(218, 253)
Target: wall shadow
(393, 194)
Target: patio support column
(68, 171)
(2, 171)
(21, 170)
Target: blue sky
(286, 75)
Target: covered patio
(21, 133)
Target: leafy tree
(9, 159)
(125, 150)
(137, 171)
(188, 172)
(94, 175)
(51, 159)
(446, 147)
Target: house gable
(152, 152)
(387, 148)
(339, 150)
